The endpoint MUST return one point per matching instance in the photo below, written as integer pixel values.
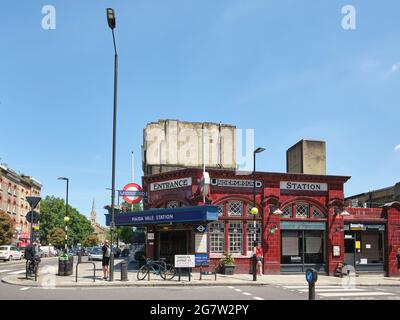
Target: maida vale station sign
(238, 183)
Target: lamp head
(62, 178)
(111, 18)
(254, 211)
(66, 219)
(259, 150)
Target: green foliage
(91, 241)
(56, 237)
(6, 228)
(52, 213)
(126, 234)
(227, 259)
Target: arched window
(302, 210)
(172, 204)
(235, 208)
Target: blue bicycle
(158, 267)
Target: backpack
(107, 252)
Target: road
(270, 292)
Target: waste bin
(65, 265)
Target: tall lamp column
(112, 24)
(254, 212)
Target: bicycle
(32, 267)
(158, 267)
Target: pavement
(48, 278)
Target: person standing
(106, 259)
(259, 257)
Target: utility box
(307, 156)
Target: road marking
(230, 287)
(333, 290)
(1, 271)
(348, 294)
(18, 272)
(316, 287)
(246, 293)
(238, 290)
(258, 298)
(24, 289)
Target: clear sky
(285, 68)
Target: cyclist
(32, 255)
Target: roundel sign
(132, 193)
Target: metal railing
(94, 270)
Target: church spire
(93, 216)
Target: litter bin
(65, 265)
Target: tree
(6, 228)
(52, 213)
(56, 237)
(91, 241)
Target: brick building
(14, 188)
(315, 229)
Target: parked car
(95, 254)
(8, 253)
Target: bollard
(311, 277)
(254, 261)
(79, 257)
(124, 271)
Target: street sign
(185, 261)
(33, 201)
(311, 275)
(201, 228)
(36, 217)
(132, 199)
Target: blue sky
(285, 68)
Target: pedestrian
(106, 259)
(259, 257)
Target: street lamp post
(254, 212)
(111, 24)
(66, 218)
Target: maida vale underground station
(314, 227)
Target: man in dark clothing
(31, 254)
(30, 251)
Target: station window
(221, 210)
(250, 235)
(172, 205)
(302, 210)
(235, 208)
(217, 237)
(287, 212)
(316, 213)
(235, 237)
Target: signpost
(33, 202)
(132, 193)
(32, 217)
(185, 261)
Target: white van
(49, 251)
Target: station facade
(315, 228)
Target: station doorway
(173, 242)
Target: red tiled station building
(314, 229)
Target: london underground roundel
(131, 193)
